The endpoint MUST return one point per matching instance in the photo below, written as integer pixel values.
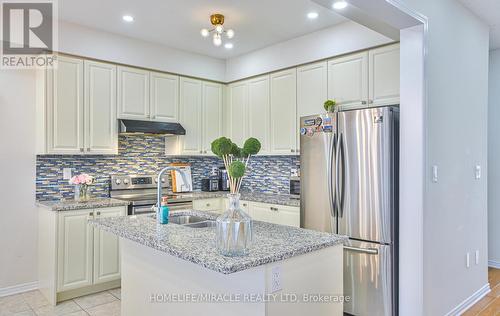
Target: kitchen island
(175, 270)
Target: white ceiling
(489, 12)
(174, 23)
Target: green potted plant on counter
(234, 227)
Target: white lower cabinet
(74, 258)
(272, 213)
(75, 247)
(276, 214)
(106, 249)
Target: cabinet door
(312, 91)
(101, 127)
(190, 115)
(75, 248)
(164, 97)
(348, 80)
(384, 75)
(238, 100)
(65, 107)
(259, 111)
(133, 93)
(212, 115)
(107, 248)
(283, 112)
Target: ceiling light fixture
(128, 18)
(228, 45)
(339, 5)
(217, 21)
(312, 15)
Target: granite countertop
(70, 205)
(271, 242)
(280, 199)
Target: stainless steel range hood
(148, 127)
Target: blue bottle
(164, 210)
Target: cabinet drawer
(276, 214)
(208, 205)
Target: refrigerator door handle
(370, 251)
(331, 194)
(340, 189)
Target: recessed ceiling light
(312, 15)
(339, 5)
(128, 18)
(228, 45)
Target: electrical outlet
(478, 172)
(67, 173)
(276, 279)
(477, 257)
(467, 264)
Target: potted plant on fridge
(330, 106)
(234, 227)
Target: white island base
(151, 279)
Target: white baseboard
(20, 288)
(494, 264)
(473, 299)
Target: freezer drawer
(369, 279)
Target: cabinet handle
(292, 150)
(91, 214)
(201, 151)
(81, 150)
(273, 209)
(244, 204)
(208, 204)
(363, 102)
(98, 213)
(370, 101)
(88, 148)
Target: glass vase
(82, 193)
(234, 229)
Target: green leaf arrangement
(235, 158)
(330, 105)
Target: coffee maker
(223, 179)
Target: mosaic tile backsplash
(143, 154)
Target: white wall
(18, 216)
(84, 41)
(455, 208)
(494, 160)
(336, 40)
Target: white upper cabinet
(101, 136)
(384, 75)
(237, 107)
(190, 115)
(164, 97)
(133, 93)
(312, 91)
(348, 80)
(212, 115)
(283, 112)
(259, 111)
(65, 107)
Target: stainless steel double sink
(192, 221)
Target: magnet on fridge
(327, 120)
(318, 121)
(309, 122)
(327, 128)
(303, 131)
(310, 131)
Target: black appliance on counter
(223, 179)
(210, 185)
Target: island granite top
(70, 205)
(271, 242)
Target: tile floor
(33, 303)
(490, 304)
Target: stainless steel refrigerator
(349, 185)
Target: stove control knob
(162, 180)
(118, 181)
(125, 181)
(156, 180)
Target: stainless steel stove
(140, 191)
